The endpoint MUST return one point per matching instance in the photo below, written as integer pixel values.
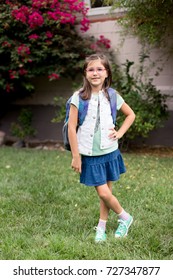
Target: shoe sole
(99, 241)
(127, 230)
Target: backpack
(82, 111)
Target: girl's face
(96, 74)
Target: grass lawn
(46, 214)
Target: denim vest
(85, 134)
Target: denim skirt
(98, 170)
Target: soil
(160, 151)
(53, 145)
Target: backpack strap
(67, 109)
(82, 111)
(113, 103)
(83, 108)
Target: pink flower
(6, 44)
(85, 24)
(40, 3)
(22, 71)
(53, 76)
(55, 4)
(21, 14)
(93, 46)
(66, 12)
(103, 41)
(13, 74)
(35, 19)
(82, 8)
(33, 37)
(49, 34)
(52, 15)
(23, 50)
(8, 87)
(63, 17)
(67, 18)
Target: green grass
(45, 213)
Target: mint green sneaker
(123, 227)
(100, 235)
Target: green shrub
(148, 103)
(23, 127)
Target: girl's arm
(72, 125)
(130, 117)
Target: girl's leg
(104, 209)
(108, 200)
(104, 212)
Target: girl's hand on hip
(76, 164)
(114, 134)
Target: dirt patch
(159, 151)
(54, 145)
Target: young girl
(94, 147)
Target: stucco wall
(45, 91)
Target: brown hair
(85, 91)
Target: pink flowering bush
(39, 37)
